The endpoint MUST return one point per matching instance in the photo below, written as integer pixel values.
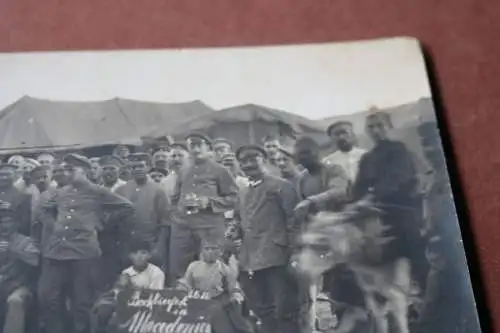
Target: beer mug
(190, 203)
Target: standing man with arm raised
(69, 255)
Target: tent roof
(245, 113)
(32, 123)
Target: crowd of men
(74, 218)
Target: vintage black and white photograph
(274, 189)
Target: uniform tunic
(79, 211)
(268, 224)
(269, 233)
(151, 209)
(206, 179)
(22, 205)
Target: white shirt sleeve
(157, 279)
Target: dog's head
(329, 240)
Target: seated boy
(18, 258)
(141, 275)
(212, 276)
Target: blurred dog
(354, 239)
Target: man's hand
(203, 202)
(303, 205)
(237, 298)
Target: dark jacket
(268, 224)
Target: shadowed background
(459, 35)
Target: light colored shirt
(168, 184)
(150, 278)
(212, 278)
(349, 161)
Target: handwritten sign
(163, 311)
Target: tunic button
(71, 210)
(68, 217)
(137, 189)
(66, 227)
(72, 200)
(64, 238)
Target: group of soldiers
(74, 217)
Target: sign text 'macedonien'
(163, 311)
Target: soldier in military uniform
(70, 251)
(111, 166)
(269, 231)
(221, 146)
(20, 201)
(18, 260)
(203, 192)
(150, 222)
(112, 240)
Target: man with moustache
(348, 155)
(269, 230)
(20, 201)
(204, 191)
(150, 222)
(177, 161)
(110, 166)
(69, 255)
